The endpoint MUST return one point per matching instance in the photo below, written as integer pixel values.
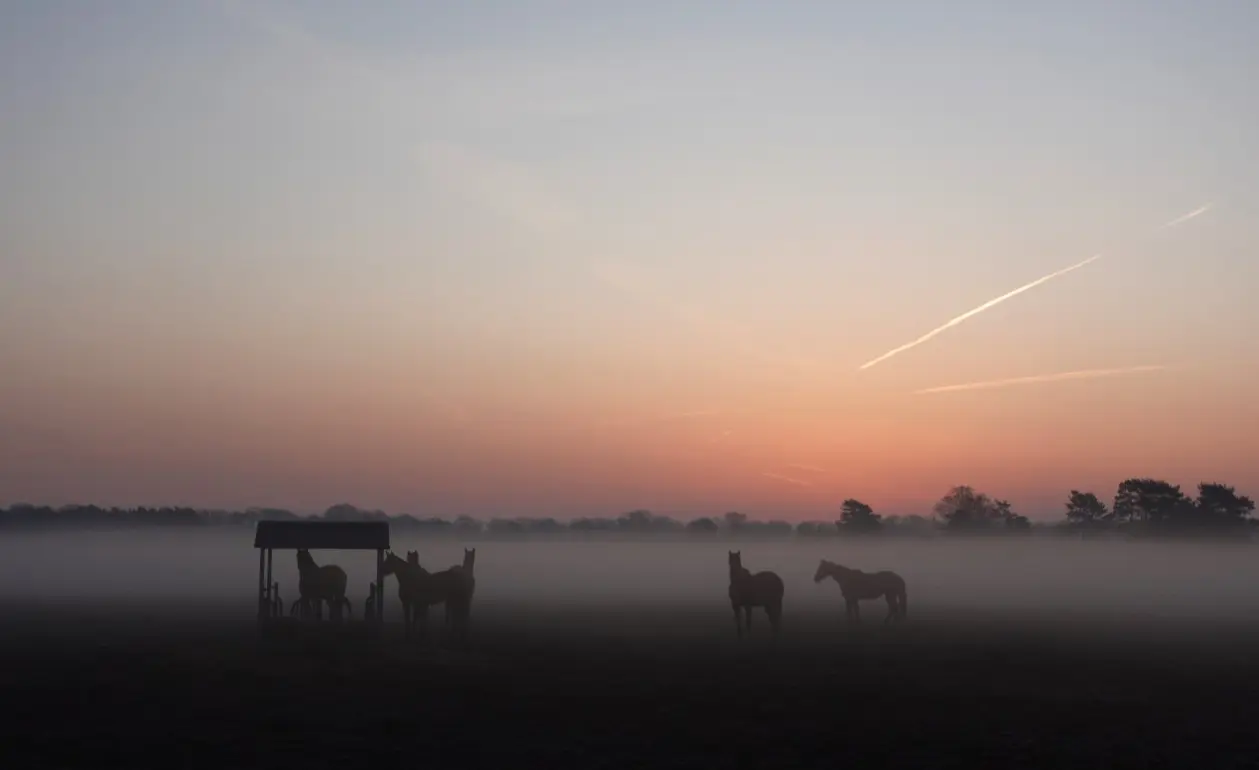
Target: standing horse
(459, 583)
(318, 584)
(748, 590)
(856, 585)
(417, 588)
(466, 584)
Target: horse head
(391, 564)
(824, 569)
(413, 557)
(304, 559)
(469, 558)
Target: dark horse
(418, 589)
(318, 584)
(460, 583)
(856, 585)
(748, 590)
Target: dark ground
(194, 686)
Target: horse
(318, 584)
(459, 582)
(467, 584)
(417, 588)
(856, 585)
(748, 590)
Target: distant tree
(1012, 520)
(965, 510)
(814, 528)
(776, 527)
(543, 526)
(735, 521)
(1219, 505)
(912, 524)
(505, 526)
(467, 524)
(858, 518)
(702, 524)
(272, 514)
(343, 512)
(585, 524)
(1085, 510)
(635, 521)
(1152, 503)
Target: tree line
(1140, 507)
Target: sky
(576, 258)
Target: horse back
(757, 589)
(891, 580)
(769, 584)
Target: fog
(1154, 579)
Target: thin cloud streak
(1008, 295)
(1083, 374)
(1196, 212)
(810, 468)
(787, 479)
(977, 311)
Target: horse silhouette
(748, 590)
(460, 584)
(417, 589)
(856, 585)
(317, 584)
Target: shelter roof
(322, 535)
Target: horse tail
(349, 612)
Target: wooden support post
(270, 593)
(380, 589)
(262, 599)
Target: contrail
(977, 311)
(788, 479)
(1083, 374)
(954, 322)
(811, 468)
(1186, 217)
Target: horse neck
(409, 574)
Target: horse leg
(850, 610)
(738, 621)
(891, 608)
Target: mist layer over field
(1158, 580)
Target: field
(560, 673)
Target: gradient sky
(574, 258)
